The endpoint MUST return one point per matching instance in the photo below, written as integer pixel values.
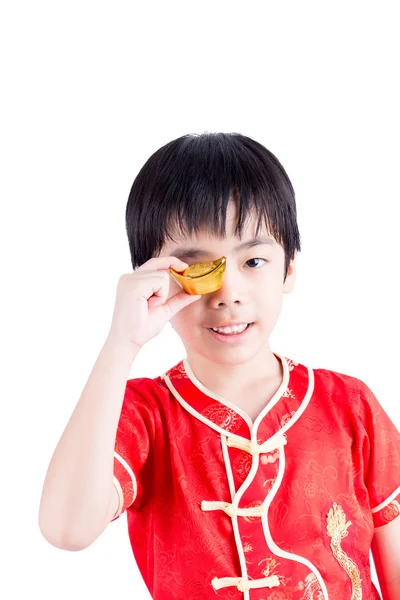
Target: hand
(141, 306)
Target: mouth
(231, 338)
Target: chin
(231, 356)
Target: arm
(78, 492)
(385, 549)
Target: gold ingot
(201, 278)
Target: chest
(308, 489)
(253, 402)
(251, 407)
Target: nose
(233, 289)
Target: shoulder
(346, 392)
(332, 381)
(147, 392)
(153, 388)
(146, 386)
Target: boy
(244, 474)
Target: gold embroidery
(223, 416)
(337, 530)
(391, 511)
(270, 568)
(312, 589)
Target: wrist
(120, 344)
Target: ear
(290, 277)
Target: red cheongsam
(282, 508)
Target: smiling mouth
(232, 332)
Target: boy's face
(251, 292)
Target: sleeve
(133, 443)
(381, 460)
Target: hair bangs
(185, 187)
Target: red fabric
(341, 458)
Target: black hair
(187, 184)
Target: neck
(232, 380)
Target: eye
(257, 259)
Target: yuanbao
(201, 278)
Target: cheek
(188, 320)
(269, 301)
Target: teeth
(233, 329)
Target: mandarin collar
(283, 409)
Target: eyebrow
(193, 252)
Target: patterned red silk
(330, 475)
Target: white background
(89, 91)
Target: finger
(155, 301)
(178, 302)
(163, 262)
